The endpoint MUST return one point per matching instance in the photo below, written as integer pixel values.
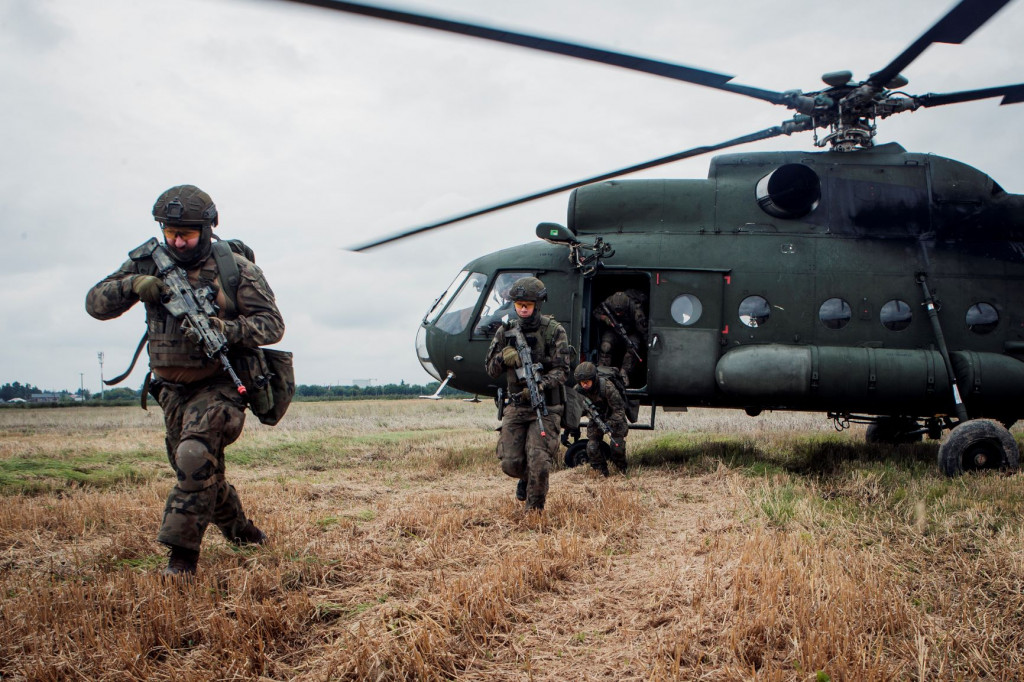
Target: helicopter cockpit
(451, 313)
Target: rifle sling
(135, 358)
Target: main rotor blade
(1011, 94)
(954, 28)
(678, 72)
(786, 128)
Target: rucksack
(611, 374)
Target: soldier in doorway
(624, 331)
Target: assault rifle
(595, 415)
(621, 331)
(194, 307)
(530, 373)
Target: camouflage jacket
(255, 322)
(608, 401)
(633, 319)
(549, 345)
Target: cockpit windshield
(456, 315)
(497, 306)
(442, 300)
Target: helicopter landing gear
(894, 431)
(577, 453)
(977, 445)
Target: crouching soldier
(607, 411)
(529, 432)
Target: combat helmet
(528, 289)
(619, 303)
(585, 371)
(185, 205)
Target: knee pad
(606, 347)
(194, 465)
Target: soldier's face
(525, 308)
(585, 384)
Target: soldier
(622, 309)
(611, 409)
(203, 412)
(524, 453)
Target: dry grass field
(737, 548)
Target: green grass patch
(38, 475)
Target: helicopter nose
(423, 355)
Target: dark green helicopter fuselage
(787, 280)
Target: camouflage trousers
(611, 344)
(595, 453)
(201, 420)
(525, 454)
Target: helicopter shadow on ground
(814, 457)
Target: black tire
(893, 431)
(577, 453)
(978, 445)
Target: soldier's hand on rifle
(524, 396)
(148, 288)
(193, 335)
(510, 357)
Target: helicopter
(875, 285)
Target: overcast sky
(314, 130)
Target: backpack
(611, 375)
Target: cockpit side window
(455, 317)
(497, 307)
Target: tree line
(311, 392)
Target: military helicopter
(876, 285)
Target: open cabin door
(686, 330)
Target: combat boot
(601, 467)
(181, 564)
(250, 535)
(521, 490)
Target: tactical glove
(192, 334)
(510, 356)
(148, 288)
(524, 396)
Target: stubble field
(768, 548)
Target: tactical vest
(543, 341)
(168, 346)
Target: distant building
(44, 398)
(362, 383)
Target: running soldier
(203, 411)
(528, 442)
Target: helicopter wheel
(977, 445)
(577, 453)
(893, 431)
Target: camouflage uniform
(203, 412)
(612, 410)
(524, 454)
(633, 319)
